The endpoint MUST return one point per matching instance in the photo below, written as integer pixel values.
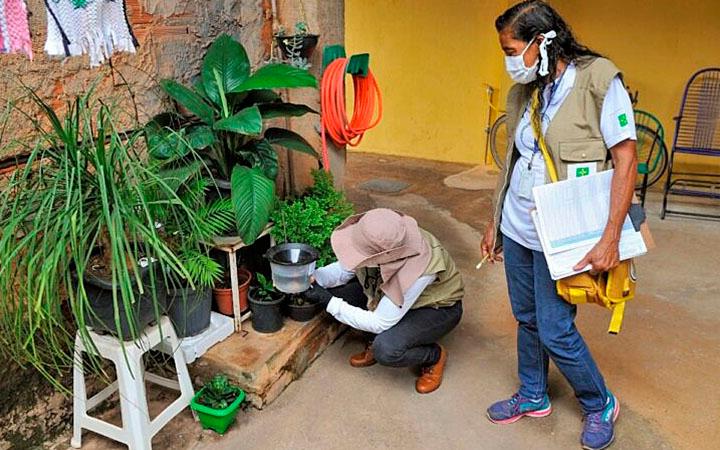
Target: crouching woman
(396, 282)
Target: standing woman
(579, 101)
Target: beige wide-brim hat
(386, 239)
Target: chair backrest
(698, 125)
(644, 121)
(647, 120)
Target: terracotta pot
(223, 296)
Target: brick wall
(173, 36)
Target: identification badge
(527, 182)
(581, 170)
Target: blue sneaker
(599, 429)
(517, 407)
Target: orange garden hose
(334, 118)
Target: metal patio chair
(697, 132)
(651, 152)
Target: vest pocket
(584, 150)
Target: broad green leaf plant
(87, 188)
(229, 104)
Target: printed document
(570, 219)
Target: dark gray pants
(411, 342)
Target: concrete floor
(663, 366)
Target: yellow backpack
(610, 289)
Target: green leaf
(253, 197)
(189, 99)
(229, 58)
(291, 140)
(267, 158)
(248, 121)
(278, 76)
(164, 143)
(200, 137)
(176, 177)
(271, 110)
(262, 96)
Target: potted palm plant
(217, 403)
(189, 301)
(229, 105)
(81, 210)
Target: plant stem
(221, 90)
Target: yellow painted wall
(431, 59)
(657, 44)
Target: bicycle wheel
(648, 145)
(499, 140)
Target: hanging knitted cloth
(95, 27)
(14, 30)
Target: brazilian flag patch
(622, 118)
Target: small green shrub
(311, 218)
(265, 290)
(219, 393)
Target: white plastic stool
(137, 430)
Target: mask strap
(549, 36)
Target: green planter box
(217, 420)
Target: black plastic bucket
(266, 316)
(303, 313)
(189, 310)
(100, 309)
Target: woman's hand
(603, 257)
(488, 243)
(606, 255)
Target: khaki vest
(447, 289)
(574, 133)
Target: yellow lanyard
(535, 119)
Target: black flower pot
(302, 313)
(266, 315)
(221, 189)
(306, 47)
(100, 309)
(189, 310)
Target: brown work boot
(431, 377)
(364, 358)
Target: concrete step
(265, 364)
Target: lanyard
(553, 89)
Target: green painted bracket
(358, 64)
(331, 53)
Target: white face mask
(515, 65)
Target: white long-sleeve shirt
(387, 313)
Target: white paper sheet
(570, 218)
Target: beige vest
(447, 289)
(574, 133)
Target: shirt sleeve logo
(622, 119)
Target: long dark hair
(527, 20)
